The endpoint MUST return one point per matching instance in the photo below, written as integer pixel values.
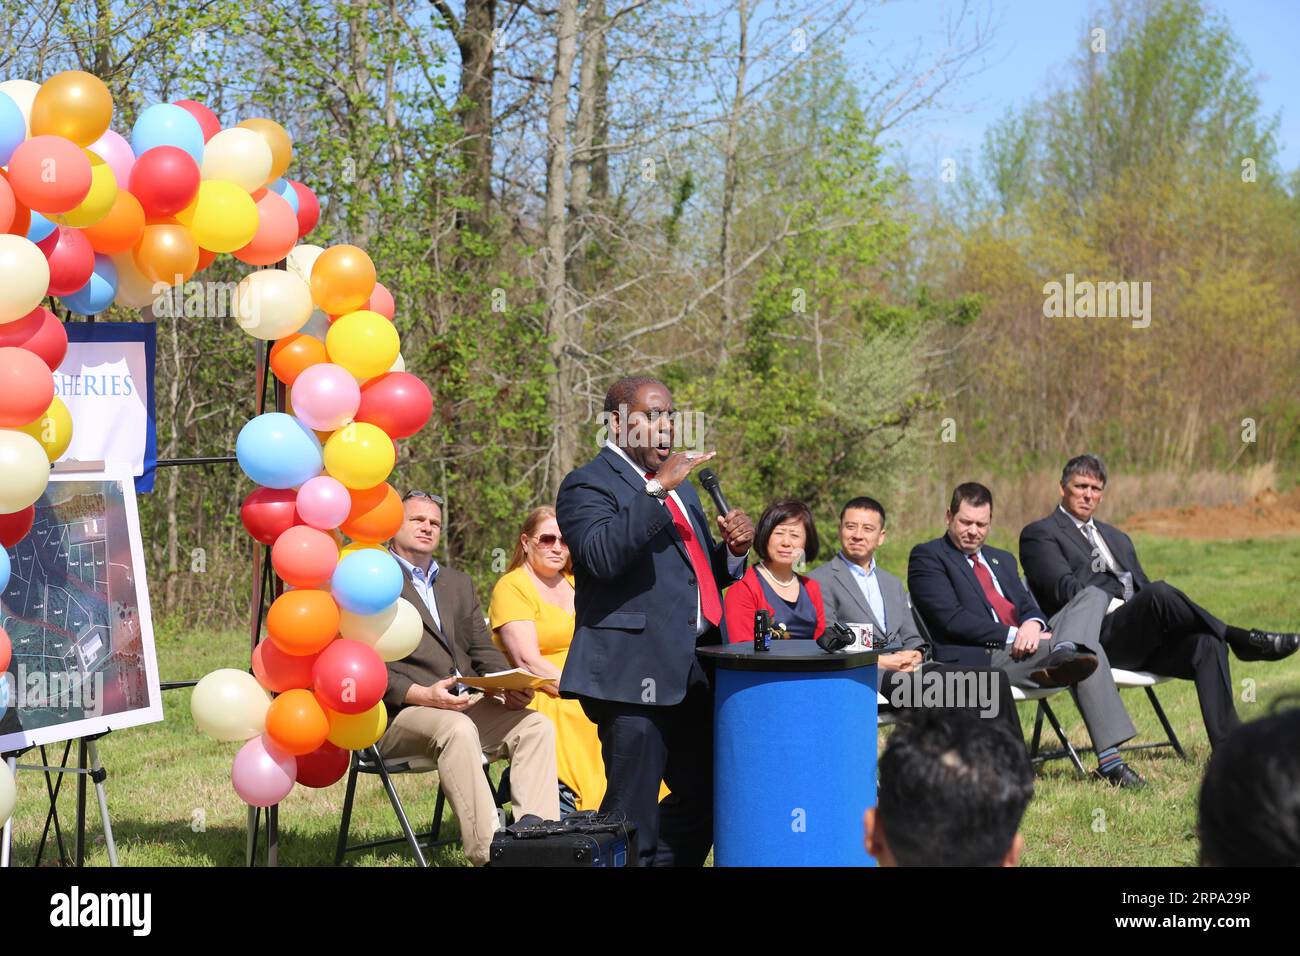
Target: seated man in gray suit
(855, 591)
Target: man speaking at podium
(649, 579)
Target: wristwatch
(655, 488)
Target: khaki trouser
(457, 741)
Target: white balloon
(271, 303)
(238, 155)
(399, 364)
(22, 92)
(230, 705)
(8, 793)
(394, 632)
(301, 259)
(26, 470)
(24, 277)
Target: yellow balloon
(353, 547)
(222, 217)
(277, 139)
(238, 156)
(357, 731)
(53, 430)
(24, 277)
(360, 455)
(25, 468)
(75, 105)
(363, 342)
(98, 202)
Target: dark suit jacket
(844, 603)
(463, 642)
(1059, 561)
(952, 603)
(634, 629)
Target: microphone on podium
(709, 479)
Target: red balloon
(269, 512)
(165, 179)
(40, 332)
(208, 121)
(14, 527)
(398, 402)
(308, 208)
(349, 677)
(305, 557)
(71, 258)
(6, 651)
(324, 766)
(278, 672)
(8, 205)
(206, 259)
(26, 387)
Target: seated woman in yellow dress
(532, 620)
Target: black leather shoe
(1266, 646)
(1064, 668)
(1122, 776)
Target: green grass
(165, 777)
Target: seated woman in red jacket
(785, 536)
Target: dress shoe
(1123, 776)
(1064, 668)
(1266, 646)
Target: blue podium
(794, 754)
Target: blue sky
(1035, 40)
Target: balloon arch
(96, 218)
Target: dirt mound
(1266, 515)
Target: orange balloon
(342, 279)
(376, 514)
(303, 621)
(293, 354)
(73, 104)
(166, 252)
(281, 148)
(121, 229)
(277, 232)
(22, 217)
(297, 722)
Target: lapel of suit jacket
(1110, 534)
(958, 557)
(411, 594)
(848, 581)
(1072, 533)
(637, 481)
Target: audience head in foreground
(953, 789)
(1250, 798)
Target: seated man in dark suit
(854, 590)
(1151, 626)
(953, 790)
(978, 612)
(431, 714)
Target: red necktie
(709, 603)
(1004, 609)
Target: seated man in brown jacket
(430, 715)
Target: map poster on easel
(77, 613)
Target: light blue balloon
(284, 189)
(4, 570)
(98, 292)
(278, 451)
(41, 228)
(367, 581)
(167, 125)
(13, 128)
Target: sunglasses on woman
(551, 540)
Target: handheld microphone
(710, 482)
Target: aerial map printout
(77, 613)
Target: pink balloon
(208, 121)
(381, 301)
(263, 774)
(113, 149)
(325, 396)
(323, 502)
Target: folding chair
(369, 761)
